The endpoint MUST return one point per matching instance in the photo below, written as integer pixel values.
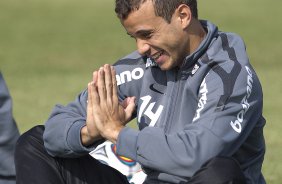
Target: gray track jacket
(210, 106)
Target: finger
(95, 78)
(108, 83)
(95, 100)
(125, 102)
(89, 102)
(129, 108)
(101, 85)
(92, 132)
(114, 88)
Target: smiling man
(167, 42)
(196, 98)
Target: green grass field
(49, 48)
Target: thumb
(129, 109)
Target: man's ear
(184, 14)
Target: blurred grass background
(49, 48)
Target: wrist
(112, 133)
(86, 139)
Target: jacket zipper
(173, 101)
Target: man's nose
(142, 46)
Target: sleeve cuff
(74, 138)
(127, 143)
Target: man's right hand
(86, 139)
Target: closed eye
(145, 35)
(142, 34)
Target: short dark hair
(163, 8)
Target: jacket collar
(212, 32)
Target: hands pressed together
(106, 116)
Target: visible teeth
(156, 56)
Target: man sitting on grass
(196, 98)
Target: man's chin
(165, 67)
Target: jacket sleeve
(219, 130)
(62, 129)
(8, 131)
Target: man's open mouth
(157, 55)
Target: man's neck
(197, 34)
